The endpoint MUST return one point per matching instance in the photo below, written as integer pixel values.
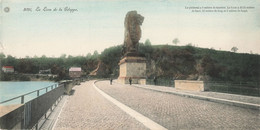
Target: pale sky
(99, 24)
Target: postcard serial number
(47, 9)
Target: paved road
(176, 112)
(87, 109)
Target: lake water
(10, 90)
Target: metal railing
(161, 82)
(44, 118)
(32, 111)
(38, 94)
(242, 88)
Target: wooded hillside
(165, 61)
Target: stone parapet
(190, 85)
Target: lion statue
(133, 21)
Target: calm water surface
(10, 90)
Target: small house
(8, 69)
(75, 72)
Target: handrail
(22, 96)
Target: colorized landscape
(159, 64)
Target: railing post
(227, 86)
(51, 87)
(36, 127)
(240, 88)
(258, 89)
(38, 93)
(46, 90)
(22, 99)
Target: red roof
(11, 67)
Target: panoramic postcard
(130, 64)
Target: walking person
(155, 80)
(111, 80)
(130, 81)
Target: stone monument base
(133, 67)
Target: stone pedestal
(134, 67)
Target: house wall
(8, 70)
(75, 74)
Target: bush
(24, 78)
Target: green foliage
(169, 60)
(110, 58)
(2, 55)
(59, 66)
(14, 77)
(24, 78)
(147, 42)
(95, 54)
(5, 77)
(63, 74)
(10, 60)
(234, 49)
(210, 67)
(189, 44)
(182, 61)
(175, 41)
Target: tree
(70, 57)
(175, 41)
(209, 66)
(43, 56)
(189, 44)
(147, 42)
(11, 61)
(95, 53)
(88, 55)
(63, 56)
(55, 69)
(234, 49)
(2, 55)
